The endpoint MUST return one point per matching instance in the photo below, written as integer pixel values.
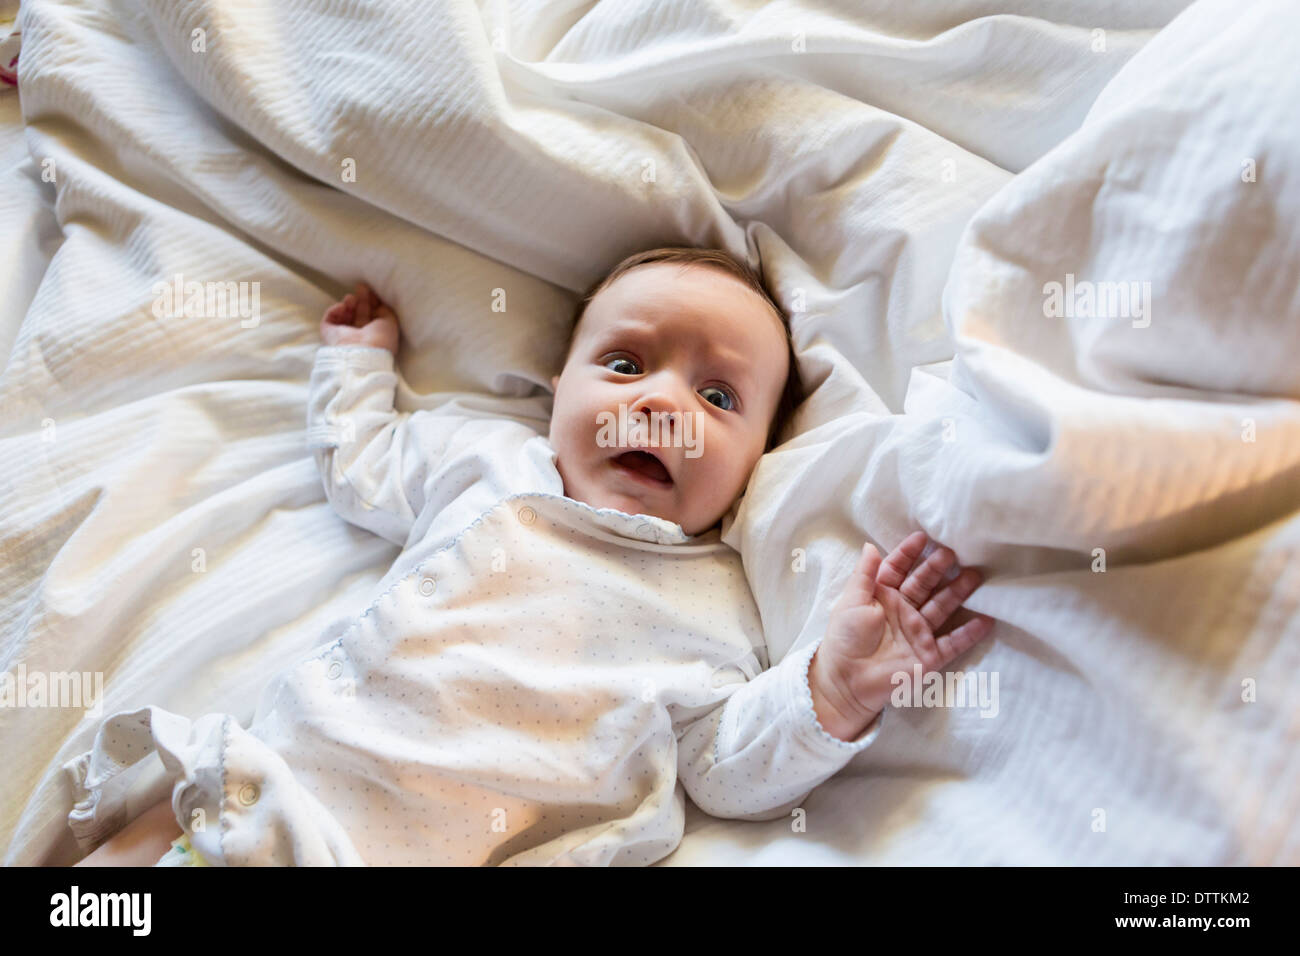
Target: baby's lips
(650, 450)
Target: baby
(565, 648)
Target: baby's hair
(792, 394)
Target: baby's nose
(667, 415)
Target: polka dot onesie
(538, 682)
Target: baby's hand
(361, 319)
(886, 622)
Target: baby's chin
(628, 504)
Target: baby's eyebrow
(737, 368)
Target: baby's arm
(373, 460)
(761, 752)
(758, 756)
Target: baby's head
(688, 344)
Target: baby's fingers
(363, 295)
(950, 597)
(893, 570)
(925, 577)
(340, 313)
(860, 588)
(958, 641)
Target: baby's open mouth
(644, 464)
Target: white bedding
(163, 523)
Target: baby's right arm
(373, 460)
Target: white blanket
(162, 522)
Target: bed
(941, 198)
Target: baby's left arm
(758, 755)
(795, 725)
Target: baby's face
(691, 342)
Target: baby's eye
(624, 361)
(731, 402)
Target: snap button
(248, 794)
(336, 668)
(527, 515)
(428, 586)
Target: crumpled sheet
(165, 525)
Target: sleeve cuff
(339, 377)
(361, 357)
(808, 728)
